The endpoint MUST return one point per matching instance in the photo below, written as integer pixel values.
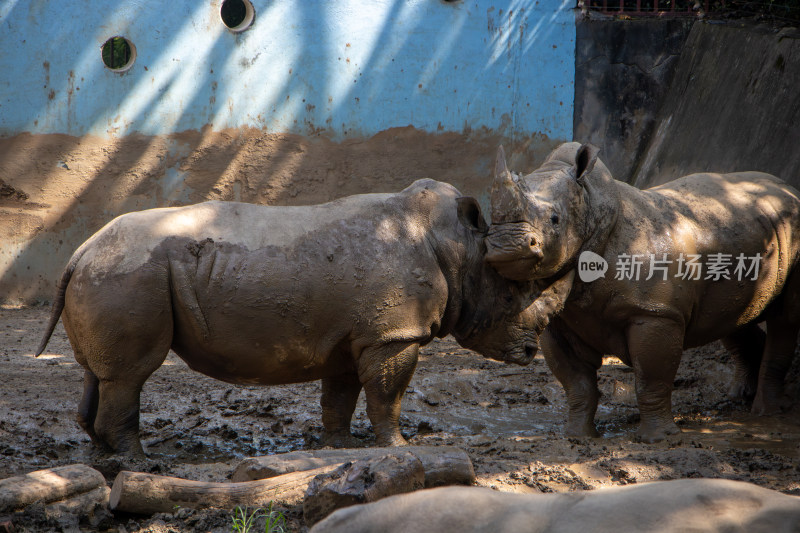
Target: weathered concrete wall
(316, 100)
(734, 104)
(623, 70)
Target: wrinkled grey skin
(543, 221)
(345, 292)
(708, 505)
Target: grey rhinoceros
(707, 505)
(345, 292)
(704, 257)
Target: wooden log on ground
(141, 493)
(367, 480)
(48, 485)
(80, 505)
(443, 465)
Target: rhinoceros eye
(554, 218)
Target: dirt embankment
(56, 190)
(508, 418)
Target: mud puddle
(779, 434)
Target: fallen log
(364, 481)
(80, 505)
(49, 485)
(443, 465)
(137, 492)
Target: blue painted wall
(343, 67)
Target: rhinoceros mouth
(522, 357)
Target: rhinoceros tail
(58, 302)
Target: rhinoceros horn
(507, 202)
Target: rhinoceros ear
(585, 160)
(552, 300)
(469, 214)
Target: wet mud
(508, 418)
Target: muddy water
(503, 417)
(740, 430)
(487, 403)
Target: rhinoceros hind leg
(778, 354)
(655, 346)
(117, 421)
(385, 371)
(746, 345)
(574, 365)
(121, 381)
(339, 397)
(87, 409)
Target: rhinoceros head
(508, 330)
(539, 221)
(501, 318)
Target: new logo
(591, 266)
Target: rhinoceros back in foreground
(700, 505)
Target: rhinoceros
(345, 292)
(665, 506)
(705, 257)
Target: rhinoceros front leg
(778, 354)
(339, 397)
(746, 345)
(385, 372)
(574, 365)
(655, 346)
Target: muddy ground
(508, 418)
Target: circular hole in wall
(237, 15)
(118, 54)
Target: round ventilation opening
(118, 54)
(237, 15)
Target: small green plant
(276, 522)
(244, 521)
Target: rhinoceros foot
(394, 440)
(341, 440)
(767, 403)
(743, 389)
(583, 429)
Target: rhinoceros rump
(345, 292)
(541, 223)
